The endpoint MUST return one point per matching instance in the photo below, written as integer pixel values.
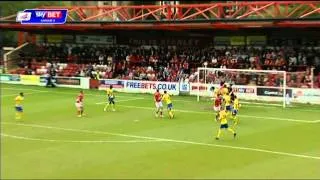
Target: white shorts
(216, 108)
(159, 104)
(79, 105)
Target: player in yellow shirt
(111, 98)
(224, 124)
(224, 90)
(167, 99)
(227, 103)
(235, 110)
(18, 105)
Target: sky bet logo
(52, 14)
(42, 16)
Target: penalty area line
(174, 141)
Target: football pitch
(52, 142)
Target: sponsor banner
(275, 92)
(151, 87)
(237, 40)
(54, 38)
(95, 39)
(68, 81)
(116, 84)
(306, 95)
(244, 90)
(184, 88)
(9, 78)
(222, 40)
(247, 92)
(204, 89)
(30, 79)
(256, 40)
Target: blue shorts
(170, 106)
(19, 108)
(234, 112)
(228, 108)
(224, 126)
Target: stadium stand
(170, 64)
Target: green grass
(272, 142)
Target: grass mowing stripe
(132, 99)
(258, 117)
(12, 95)
(173, 140)
(73, 141)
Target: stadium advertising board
(237, 40)
(275, 92)
(151, 86)
(204, 89)
(116, 84)
(306, 95)
(54, 38)
(10, 78)
(30, 79)
(256, 40)
(67, 81)
(184, 88)
(95, 39)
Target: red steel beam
(192, 11)
(220, 25)
(199, 12)
(254, 11)
(311, 12)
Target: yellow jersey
(225, 91)
(110, 93)
(223, 117)
(166, 98)
(236, 105)
(18, 100)
(227, 100)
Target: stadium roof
(253, 14)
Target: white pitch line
(74, 141)
(71, 93)
(257, 117)
(132, 99)
(173, 140)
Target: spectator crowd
(175, 63)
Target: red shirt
(157, 96)
(80, 98)
(217, 102)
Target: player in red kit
(217, 105)
(79, 104)
(158, 103)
